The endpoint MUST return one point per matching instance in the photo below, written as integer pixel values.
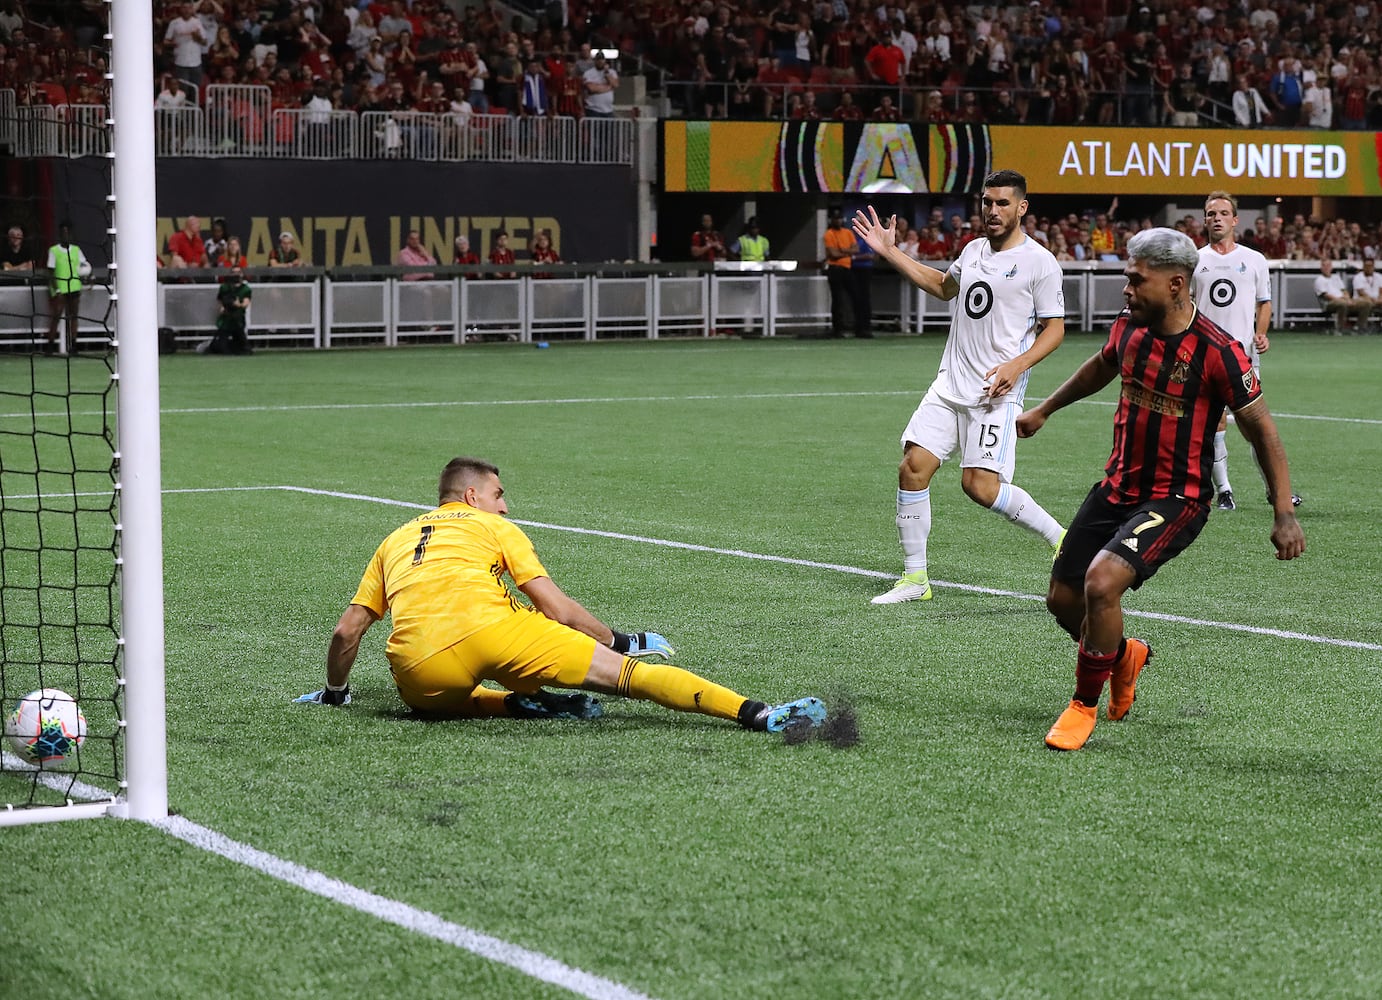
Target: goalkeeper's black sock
(748, 714)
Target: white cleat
(912, 587)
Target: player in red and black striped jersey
(1175, 390)
(1179, 372)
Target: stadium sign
(1096, 158)
(1185, 161)
(874, 157)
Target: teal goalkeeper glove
(643, 644)
(326, 696)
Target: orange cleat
(1122, 688)
(1074, 727)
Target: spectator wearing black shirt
(1137, 62)
(1183, 98)
(15, 255)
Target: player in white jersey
(1011, 314)
(1232, 288)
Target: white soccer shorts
(984, 435)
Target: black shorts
(1145, 535)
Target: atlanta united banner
(871, 157)
(1189, 161)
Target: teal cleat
(807, 712)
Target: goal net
(80, 544)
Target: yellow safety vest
(753, 248)
(65, 260)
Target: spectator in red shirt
(232, 257)
(1354, 116)
(885, 62)
(931, 246)
(501, 254)
(774, 81)
(933, 111)
(847, 110)
(954, 236)
(465, 255)
(1273, 245)
(543, 253)
(569, 91)
(886, 110)
(804, 107)
(185, 247)
(706, 244)
(840, 51)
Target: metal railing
(316, 135)
(9, 114)
(775, 101)
(179, 132)
(241, 121)
(238, 119)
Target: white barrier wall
(386, 309)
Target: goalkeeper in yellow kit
(456, 623)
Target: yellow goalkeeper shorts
(524, 653)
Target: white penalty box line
(531, 963)
(1275, 633)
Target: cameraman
(232, 303)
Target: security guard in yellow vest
(67, 265)
(752, 244)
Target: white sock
(1017, 505)
(913, 528)
(1221, 463)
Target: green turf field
(1220, 843)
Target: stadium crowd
(1253, 62)
(1244, 62)
(1102, 236)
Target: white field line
(789, 561)
(1276, 633)
(76, 791)
(579, 400)
(531, 963)
(856, 571)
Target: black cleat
(1225, 501)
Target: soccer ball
(84, 269)
(46, 726)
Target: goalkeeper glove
(327, 696)
(546, 705)
(643, 644)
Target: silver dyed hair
(1165, 250)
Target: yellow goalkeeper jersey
(441, 577)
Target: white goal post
(143, 785)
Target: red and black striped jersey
(1174, 393)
